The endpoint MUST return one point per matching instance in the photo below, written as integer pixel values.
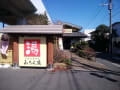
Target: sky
(86, 13)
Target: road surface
(41, 79)
(37, 79)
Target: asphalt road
(106, 59)
(39, 79)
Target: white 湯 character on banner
(34, 48)
(31, 47)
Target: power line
(93, 18)
(105, 15)
(115, 4)
(115, 14)
(96, 15)
(116, 19)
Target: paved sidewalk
(106, 56)
(108, 60)
(79, 63)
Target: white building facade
(87, 32)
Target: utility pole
(110, 37)
(3, 24)
(110, 20)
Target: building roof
(33, 29)
(88, 31)
(72, 25)
(15, 8)
(41, 9)
(116, 29)
(115, 23)
(74, 34)
(67, 25)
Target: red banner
(31, 47)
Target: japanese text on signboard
(31, 47)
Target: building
(41, 9)
(87, 32)
(116, 38)
(15, 12)
(32, 45)
(71, 34)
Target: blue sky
(86, 13)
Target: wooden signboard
(67, 30)
(32, 52)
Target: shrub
(81, 45)
(87, 53)
(82, 49)
(81, 53)
(68, 61)
(62, 57)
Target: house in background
(88, 33)
(116, 38)
(71, 34)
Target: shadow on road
(104, 75)
(108, 57)
(98, 69)
(98, 74)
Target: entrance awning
(33, 29)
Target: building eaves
(72, 25)
(74, 34)
(17, 7)
(33, 29)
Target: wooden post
(15, 51)
(50, 51)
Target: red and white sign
(31, 47)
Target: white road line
(117, 65)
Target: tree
(36, 19)
(101, 37)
